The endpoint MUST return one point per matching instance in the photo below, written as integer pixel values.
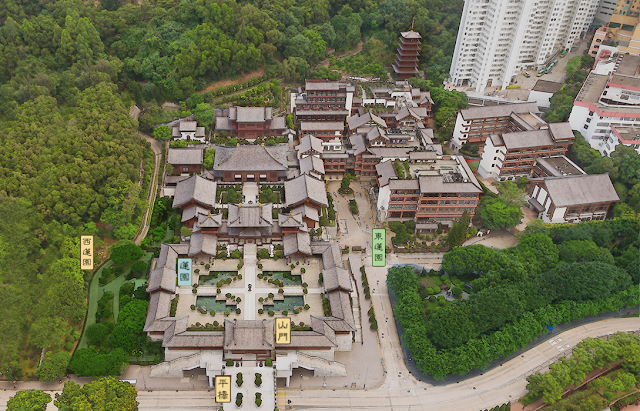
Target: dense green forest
(557, 273)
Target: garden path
(96, 292)
(250, 261)
(250, 193)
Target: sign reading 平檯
(223, 388)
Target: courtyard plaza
(260, 288)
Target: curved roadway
(402, 392)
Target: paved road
(401, 392)
(156, 146)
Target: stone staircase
(321, 367)
(175, 367)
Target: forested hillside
(173, 48)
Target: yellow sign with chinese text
(283, 330)
(223, 388)
(86, 252)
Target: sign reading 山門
(283, 330)
(184, 271)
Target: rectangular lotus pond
(209, 302)
(290, 302)
(285, 276)
(215, 276)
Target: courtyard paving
(249, 389)
(260, 288)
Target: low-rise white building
(606, 111)
(188, 130)
(572, 199)
(542, 92)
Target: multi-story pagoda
(406, 64)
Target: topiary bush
(258, 380)
(271, 313)
(239, 379)
(268, 362)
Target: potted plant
(258, 399)
(239, 379)
(239, 400)
(258, 380)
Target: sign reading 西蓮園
(184, 271)
(86, 252)
(378, 247)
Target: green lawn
(96, 292)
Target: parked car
(527, 75)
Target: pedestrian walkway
(250, 259)
(248, 389)
(250, 192)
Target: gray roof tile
(195, 188)
(305, 187)
(251, 158)
(185, 156)
(581, 189)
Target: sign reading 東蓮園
(184, 271)
(378, 247)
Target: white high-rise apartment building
(498, 38)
